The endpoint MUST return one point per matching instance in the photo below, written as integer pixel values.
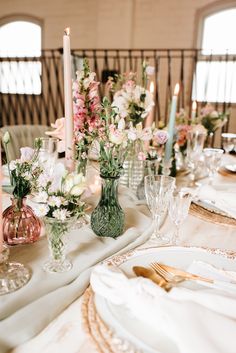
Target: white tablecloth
(65, 333)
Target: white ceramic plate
(208, 205)
(120, 320)
(230, 168)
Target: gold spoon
(149, 273)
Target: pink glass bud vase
(20, 225)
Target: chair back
(22, 136)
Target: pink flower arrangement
(86, 108)
(182, 131)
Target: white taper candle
(69, 122)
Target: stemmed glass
(213, 158)
(195, 141)
(48, 153)
(228, 141)
(178, 211)
(13, 275)
(158, 190)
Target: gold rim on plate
(102, 337)
(227, 173)
(211, 216)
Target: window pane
(20, 77)
(215, 82)
(20, 38)
(219, 33)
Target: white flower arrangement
(59, 198)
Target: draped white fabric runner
(27, 311)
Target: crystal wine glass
(213, 158)
(178, 211)
(48, 153)
(228, 141)
(195, 141)
(13, 275)
(158, 190)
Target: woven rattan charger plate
(211, 216)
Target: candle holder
(13, 275)
(166, 167)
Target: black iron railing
(31, 89)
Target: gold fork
(176, 276)
(169, 277)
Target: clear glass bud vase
(108, 218)
(57, 235)
(133, 168)
(20, 224)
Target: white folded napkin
(223, 200)
(197, 321)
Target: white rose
(26, 154)
(116, 137)
(77, 190)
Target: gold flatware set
(167, 277)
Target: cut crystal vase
(107, 220)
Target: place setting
(117, 183)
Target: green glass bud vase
(108, 218)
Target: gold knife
(178, 272)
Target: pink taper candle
(1, 230)
(69, 123)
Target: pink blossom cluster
(182, 131)
(86, 106)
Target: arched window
(20, 46)
(215, 78)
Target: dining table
(57, 323)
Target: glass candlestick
(166, 167)
(13, 275)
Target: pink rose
(160, 136)
(59, 131)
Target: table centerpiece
(108, 217)
(20, 224)
(60, 207)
